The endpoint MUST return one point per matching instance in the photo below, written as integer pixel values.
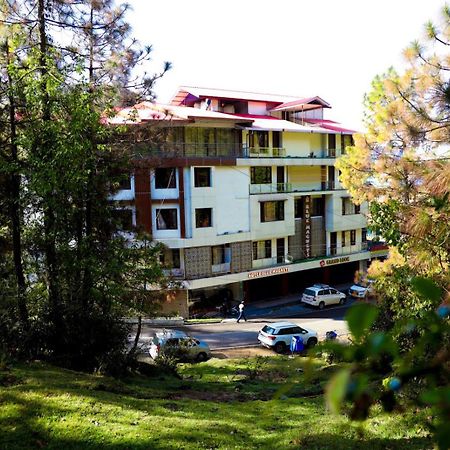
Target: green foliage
(385, 371)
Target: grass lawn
(257, 403)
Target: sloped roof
(303, 104)
(185, 93)
(330, 125)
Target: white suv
(321, 295)
(278, 335)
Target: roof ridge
(243, 92)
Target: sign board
(307, 225)
(330, 262)
(268, 272)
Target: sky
(329, 48)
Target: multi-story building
(244, 193)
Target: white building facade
(245, 195)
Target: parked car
(278, 335)
(322, 295)
(182, 345)
(361, 290)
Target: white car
(361, 290)
(322, 295)
(180, 343)
(278, 335)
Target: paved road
(230, 334)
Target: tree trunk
(14, 204)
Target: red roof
(330, 125)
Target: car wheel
(280, 347)
(202, 357)
(321, 305)
(311, 342)
(342, 301)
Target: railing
(264, 152)
(316, 252)
(274, 188)
(189, 150)
(220, 150)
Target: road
(230, 334)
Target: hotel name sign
(330, 262)
(268, 272)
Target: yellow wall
(306, 174)
(301, 144)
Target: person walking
(241, 312)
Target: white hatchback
(321, 295)
(278, 335)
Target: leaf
(426, 288)
(360, 318)
(336, 390)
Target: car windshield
(309, 292)
(268, 330)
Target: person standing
(241, 312)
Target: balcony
(277, 188)
(189, 150)
(263, 152)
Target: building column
(143, 202)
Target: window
(318, 206)
(203, 217)
(170, 258)
(331, 141)
(272, 211)
(260, 175)
(166, 219)
(262, 249)
(165, 178)
(125, 182)
(221, 254)
(343, 238)
(346, 141)
(352, 237)
(259, 139)
(348, 207)
(298, 208)
(364, 235)
(123, 219)
(202, 176)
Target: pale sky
(329, 48)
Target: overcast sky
(328, 48)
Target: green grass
(259, 403)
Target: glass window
(260, 175)
(165, 178)
(343, 238)
(364, 235)
(259, 139)
(202, 176)
(357, 209)
(332, 141)
(123, 219)
(262, 249)
(298, 208)
(203, 217)
(352, 237)
(125, 182)
(272, 211)
(221, 254)
(318, 206)
(166, 219)
(170, 258)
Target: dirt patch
(247, 352)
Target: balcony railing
(189, 150)
(219, 150)
(276, 188)
(317, 252)
(264, 152)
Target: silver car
(187, 347)
(322, 295)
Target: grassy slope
(217, 405)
